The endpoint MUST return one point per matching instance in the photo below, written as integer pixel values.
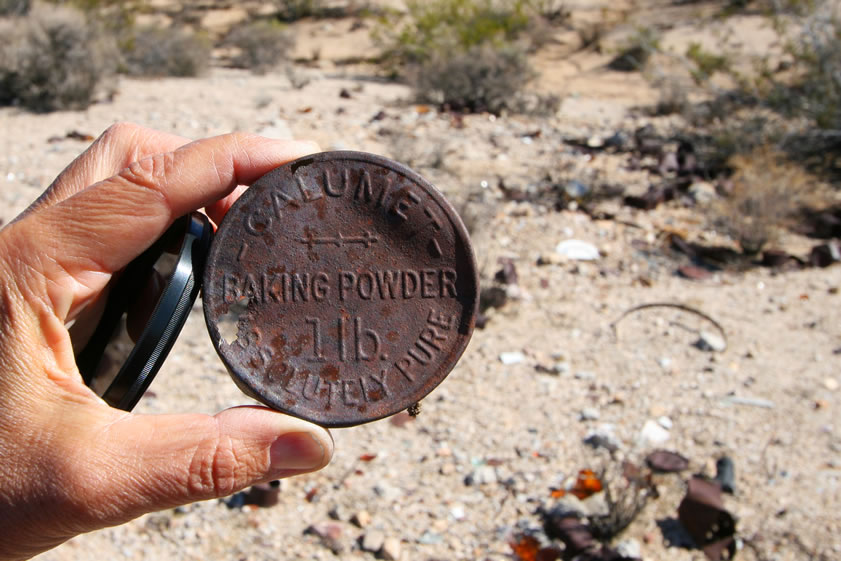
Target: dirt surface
(549, 370)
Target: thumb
(146, 463)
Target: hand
(71, 464)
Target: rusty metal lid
(340, 288)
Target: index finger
(120, 145)
(99, 230)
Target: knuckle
(215, 470)
(150, 174)
(120, 131)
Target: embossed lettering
(320, 286)
(360, 335)
(381, 381)
(413, 276)
(440, 320)
(366, 285)
(311, 387)
(230, 288)
(347, 280)
(428, 288)
(317, 351)
(250, 288)
(431, 337)
(403, 203)
(257, 222)
(306, 194)
(279, 201)
(347, 394)
(403, 366)
(426, 347)
(448, 282)
(387, 283)
(339, 189)
(365, 189)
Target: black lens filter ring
(173, 306)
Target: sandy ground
(494, 438)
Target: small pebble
(430, 538)
(361, 519)
(589, 414)
(652, 435)
(511, 358)
(629, 548)
(711, 342)
(831, 384)
(372, 541)
(391, 549)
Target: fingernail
(295, 451)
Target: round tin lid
(340, 288)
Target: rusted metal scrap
(707, 521)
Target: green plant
(705, 63)
(53, 58)
(638, 49)
(165, 52)
(263, 45)
(467, 55)
(483, 78)
(432, 28)
(293, 10)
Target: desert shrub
(292, 10)
(483, 78)
(165, 52)
(53, 58)
(431, 28)
(263, 45)
(817, 54)
(14, 7)
(467, 55)
(638, 48)
(766, 192)
(705, 63)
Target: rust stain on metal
(340, 288)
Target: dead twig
(677, 306)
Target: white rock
(703, 191)
(373, 541)
(391, 549)
(712, 342)
(665, 422)
(561, 367)
(831, 384)
(387, 492)
(603, 437)
(457, 512)
(589, 414)
(515, 357)
(629, 548)
(361, 518)
(578, 250)
(652, 435)
(482, 475)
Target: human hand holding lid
(71, 463)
